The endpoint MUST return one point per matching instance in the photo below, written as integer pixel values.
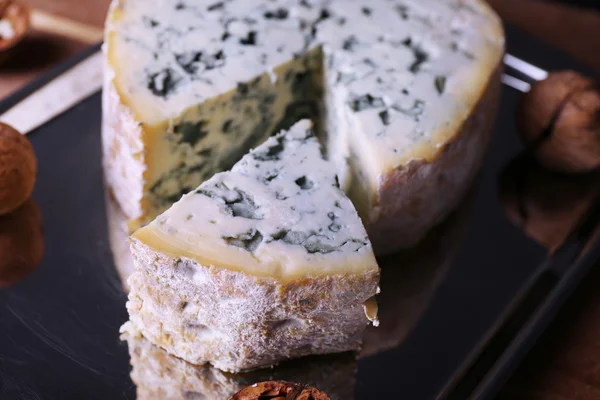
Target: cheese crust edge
(238, 322)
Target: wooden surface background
(565, 364)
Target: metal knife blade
(57, 96)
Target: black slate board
(59, 327)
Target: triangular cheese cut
(278, 213)
(266, 262)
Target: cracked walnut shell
(279, 390)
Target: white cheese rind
(123, 150)
(237, 322)
(118, 238)
(400, 79)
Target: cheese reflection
(161, 376)
(409, 280)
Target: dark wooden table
(565, 363)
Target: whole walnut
(559, 119)
(21, 243)
(18, 169)
(279, 390)
(15, 20)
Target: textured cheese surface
(278, 213)
(387, 81)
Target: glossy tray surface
(59, 326)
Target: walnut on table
(18, 169)
(559, 120)
(15, 21)
(279, 390)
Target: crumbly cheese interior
(388, 81)
(278, 213)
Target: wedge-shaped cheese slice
(403, 93)
(262, 263)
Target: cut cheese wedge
(262, 263)
(403, 94)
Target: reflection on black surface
(161, 376)
(21, 243)
(545, 204)
(408, 282)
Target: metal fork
(516, 67)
